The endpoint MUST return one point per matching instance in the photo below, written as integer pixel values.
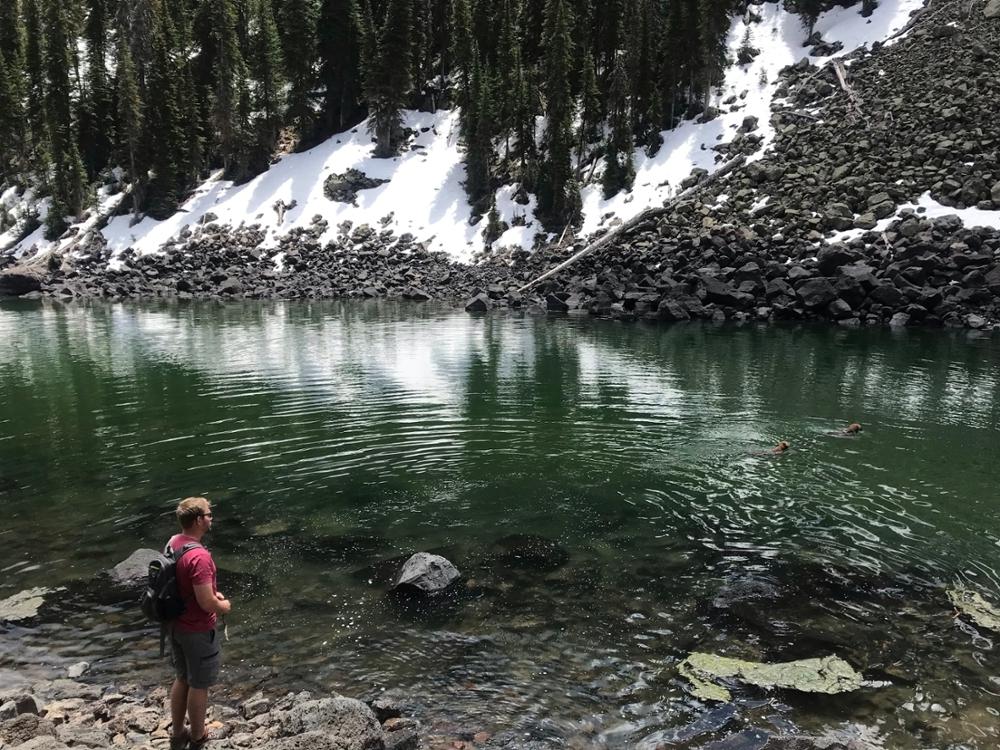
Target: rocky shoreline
(66, 713)
(799, 234)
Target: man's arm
(205, 596)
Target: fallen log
(639, 219)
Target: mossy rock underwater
(829, 675)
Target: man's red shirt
(196, 568)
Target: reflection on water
(593, 482)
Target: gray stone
(899, 320)
(816, 293)
(133, 571)
(479, 303)
(975, 321)
(8, 711)
(995, 190)
(349, 723)
(427, 573)
(23, 728)
(24, 605)
(42, 743)
(78, 670)
(16, 282)
(992, 9)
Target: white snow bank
(425, 196)
(926, 208)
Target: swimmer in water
(850, 431)
(780, 447)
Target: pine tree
(479, 143)
(230, 108)
(523, 125)
(463, 52)
(556, 200)
(191, 156)
(267, 67)
(96, 105)
(13, 142)
(129, 122)
(298, 28)
(590, 110)
(619, 167)
(339, 65)
(508, 49)
(68, 177)
(11, 32)
(163, 135)
(385, 74)
(34, 90)
(713, 23)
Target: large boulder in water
(133, 572)
(426, 573)
(15, 282)
(24, 606)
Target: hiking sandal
(198, 744)
(180, 741)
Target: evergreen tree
(556, 200)
(96, 110)
(809, 11)
(11, 33)
(267, 67)
(129, 122)
(339, 65)
(479, 143)
(463, 52)
(298, 28)
(385, 74)
(230, 93)
(190, 159)
(508, 50)
(13, 141)
(713, 23)
(34, 89)
(619, 168)
(590, 109)
(68, 178)
(523, 125)
(163, 134)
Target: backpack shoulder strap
(185, 549)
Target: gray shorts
(197, 657)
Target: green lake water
(595, 483)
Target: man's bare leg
(197, 704)
(178, 706)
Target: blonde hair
(190, 509)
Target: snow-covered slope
(424, 195)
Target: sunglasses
(205, 515)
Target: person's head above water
(781, 447)
(853, 428)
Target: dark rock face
(133, 571)
(344, 188)
(15, 283)
(427, 574)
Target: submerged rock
(828, 675)
(24, 605)
(977, 609)
(426, 573)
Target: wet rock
(426, 574)
(25, 605)
(15, 282)
(479, 303)
(816, 293)
(133, 571)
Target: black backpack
(161, 601)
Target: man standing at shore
(194, 638)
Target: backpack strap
(176, 557)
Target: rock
(8, 710)
(829, 675)
(344, 187)
(554, 303)
(24, 605)
(23, 728)
(479, 303)
(29, 704)
(348, 723)
(255, 706)
(723, 294)
(995, 190)
(43, 743)
(78, 670)
(816, 293)
(899, 320)
(992, 9)
(976, 608)
(426, 573)
(975, 321)
(15, 282)
(402, 739)
(385, 709)
(831, 257)
(133, 571)
(838, 309)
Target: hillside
(858, 202)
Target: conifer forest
(170, 91)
